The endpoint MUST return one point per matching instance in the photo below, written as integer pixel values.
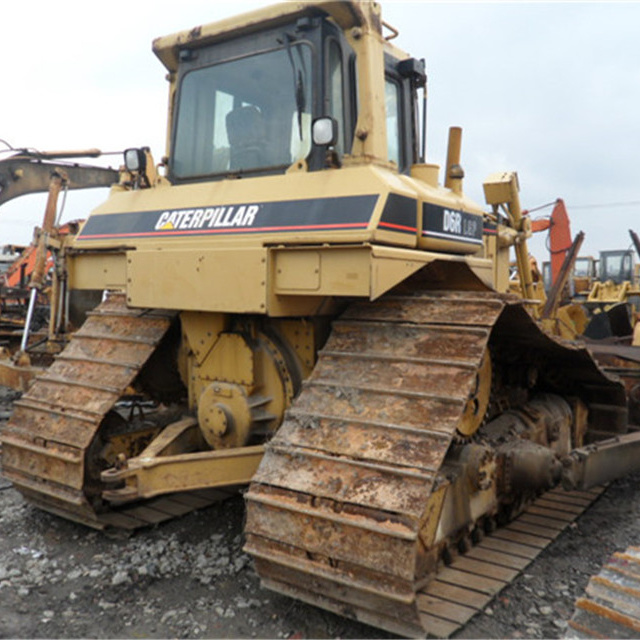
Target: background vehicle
(313, 312)
(614, 298)
(8, 322)
(26, 303)
(585, 273)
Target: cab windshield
(616, 266)
(244, 115)
(582, 268)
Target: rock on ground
(189, 578)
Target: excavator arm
(27, 172)
(560, 241)
(30, 172)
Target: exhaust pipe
(454, 173)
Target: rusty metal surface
(132, 516)
(611, 605)
(17, 377)
(624, 362)
(335, 508)
(338, 510)
(454, 595)
(472, 580)
(45, 442)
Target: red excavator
(559, 240)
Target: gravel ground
(188, 578)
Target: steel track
(470, 583)
(337, 509)
(45, 443)
(610, 607)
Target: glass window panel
(245, 114)
(392, 102)
(336, 95)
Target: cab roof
(346, 14)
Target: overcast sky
(551, 90)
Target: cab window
(335, 97)
(393, 103)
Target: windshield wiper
(298, 80)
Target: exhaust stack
(454, 172)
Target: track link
(610, 607)
(45, 443)
(340, 512)
(336, 508)
(472, 581)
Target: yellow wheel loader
(292, 299)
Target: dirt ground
(189, 578)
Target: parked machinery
(312, 312)
(26, 300)
(614, 299)
(584, 275)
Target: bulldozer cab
(585, 267)
(261, 102)
(584, 274)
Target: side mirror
(325, 131)
(135, 160)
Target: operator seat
(246, 134)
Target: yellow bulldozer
(293, 300)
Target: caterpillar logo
(208, 218)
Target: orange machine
(560, 240)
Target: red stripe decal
(398, 227)
(200, 232)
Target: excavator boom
(560, 240)
(30, 172)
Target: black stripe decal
(490, 228)
(400, 214)
(314, 214)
